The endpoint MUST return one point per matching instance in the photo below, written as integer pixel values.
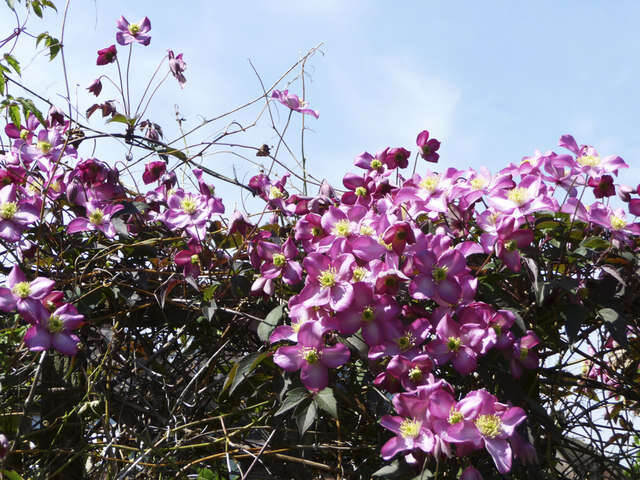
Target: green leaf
(172, 151)
(11, 475)
(306, 417)
(573, 316)
(120, 118)
(11, 4)
(29, 107)
(210, 309)
(426, 473)
(13, 62)
(327, 402)
(270, 322)
(595, 243)
(245, 366)
(14, 114)
(294, 398)
(37, 9)
(393, 470)
(2, 83)
(54, 47)
(616, 324)
(207, 474)
(208, 292)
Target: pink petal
(500, 451)
(289, 358)
(335, 356)
(314, 376)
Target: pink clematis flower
(98, 219)
(311, 356)
(153, 171)
(54, 330)
(25, 296)
(293, 102)
(15, 215)
(480, 421)
(133, 32)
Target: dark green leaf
(2, 83)
(294, 397)
(426, 473)
(270, 322)
(245, 366)
(595, 243)
(37, 9)
(172, 151)
(327, 402)
(206, 474)
(306, 417)
(54, 47)
(13, 62)
(573, 316)
(616, 324)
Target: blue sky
(492, 80)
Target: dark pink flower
(107, 55)
(15, 215)
(133, 32)
(603, 186)
(95, 87)
(428, 147)
(153, 171)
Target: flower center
(22, 289)
(497, 328)
(410, 428)
(478, 183)
(44, 147)
(275, 192)
(367, 314)
(296, 326)
(361, 191)
(489, 425)
(24, 133)
(189, 206)
(359, 273)
(279, 260)
(455, 416)
(342, 228)
(376, 164)
(453, 343)
(415, 374)
(617, 223)
(54, 324)
(405, 342)
(134, 28)
(588, 160)
(195, 259)
(386, 245)
(8, 210)
(430, 183)
(511, 245)
(439, 274)
(518, 195)
(96, 217)
(310, 355)
(524, 351)
(327, 278)
(316, 231)
(367, 230)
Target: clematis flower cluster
(391, 264)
